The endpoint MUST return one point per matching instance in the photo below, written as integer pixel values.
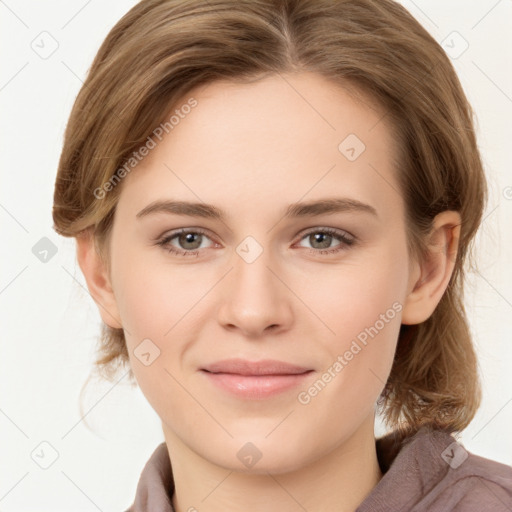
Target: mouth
(255, 380)
(255, 368)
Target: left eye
(188, 241)
(321, 239)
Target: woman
(274, 203)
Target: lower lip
(256, 386)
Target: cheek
(162, 310)
(358, 296)
(362, 315)
(357, 359)
(153, 304)
(152, 299)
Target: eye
(185, 242)
(189, 241)
(321, 240)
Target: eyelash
(346, 241)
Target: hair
(162, 49)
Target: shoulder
(431, 471)
(465, 482)
(477, 484)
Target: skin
(252, 150)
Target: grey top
(429, 471)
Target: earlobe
(97, 278)
(430, 279)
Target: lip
(253, 368)
(255, 379)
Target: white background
(49, 323)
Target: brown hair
(162, 49)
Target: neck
(337, 481)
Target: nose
(255, 300)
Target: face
(295, 252)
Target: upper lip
(263, 367)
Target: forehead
(280, 110)
(278, 138)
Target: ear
(97, 278)
(429, 279)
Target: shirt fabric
(429, 471)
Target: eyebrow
(304, 209)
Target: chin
(259, 455)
